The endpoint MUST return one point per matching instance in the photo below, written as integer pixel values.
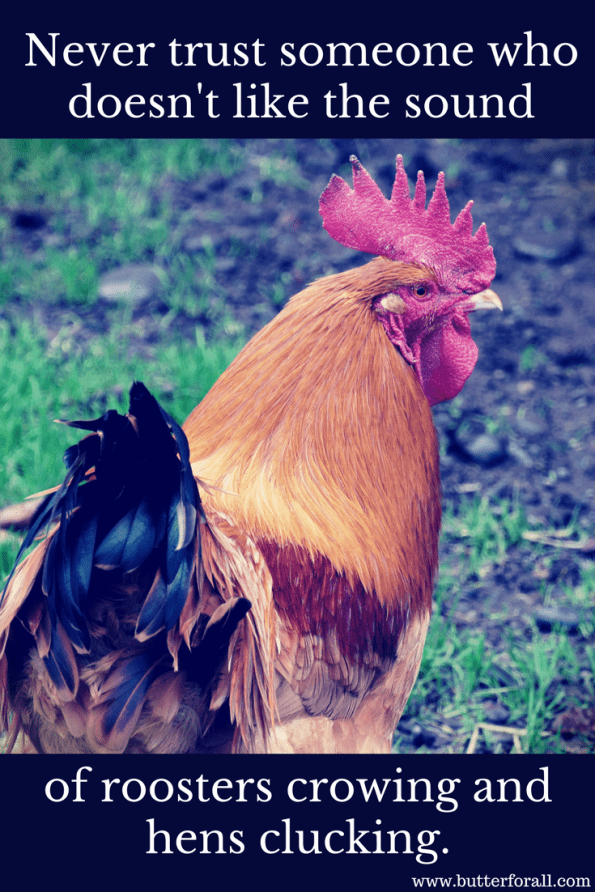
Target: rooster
(261, 581)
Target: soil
(523, 429)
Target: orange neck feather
(320, 437)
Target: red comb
(404, 229)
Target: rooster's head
(443, 271)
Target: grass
(533, 676)
(106, 201)
(109, 203)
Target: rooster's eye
(420, 291)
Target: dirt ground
(524, 426)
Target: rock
(548, 617)
(419, 734)
(549, 235)
(422, 736)
(135, 282)
(486, 450)
(531, 425)
(226, 264)
(569, 350)
(497, 713)
(473, 443)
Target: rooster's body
(319, 509)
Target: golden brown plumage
(297, 443)
(317, 466)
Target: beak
(486, 300)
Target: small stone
(422, 736)
(497, 713)
(549, 235)
(134, 281)
(570, 350)
(486, 450)
(226, 264)
(531, 425)
(548, 617)
(559, 168)
(471, 441)
(525, 387)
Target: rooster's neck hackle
(314, 434)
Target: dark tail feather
(128, 491)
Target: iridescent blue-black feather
(128, 493)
